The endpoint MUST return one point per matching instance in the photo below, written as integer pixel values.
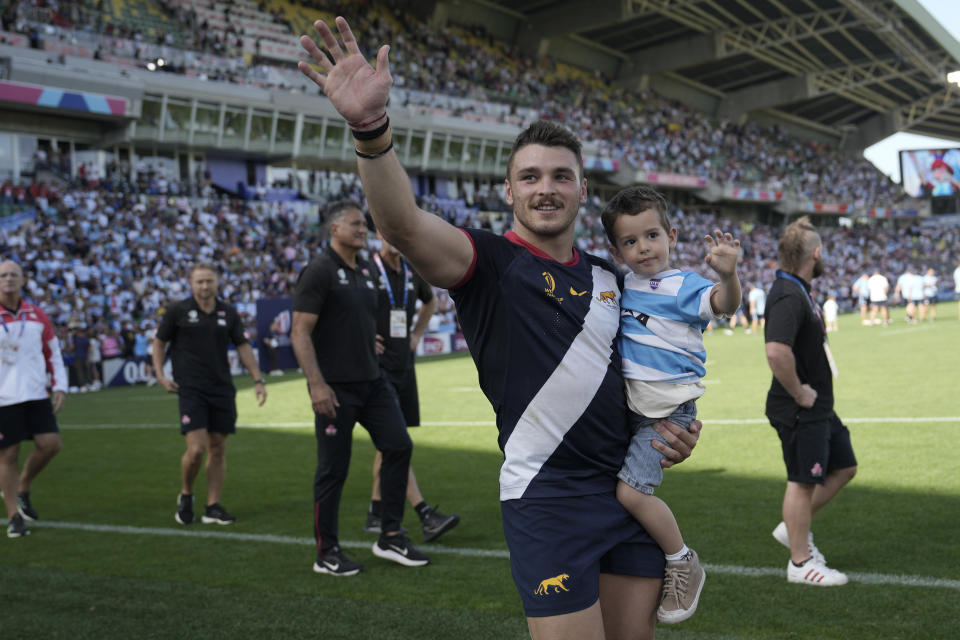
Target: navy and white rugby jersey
(542, 334)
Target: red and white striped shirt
(30, 360)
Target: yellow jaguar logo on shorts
(556, 583)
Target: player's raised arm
(440, 252)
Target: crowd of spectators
(103, 261)
(640, 128)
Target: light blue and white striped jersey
(662, 321)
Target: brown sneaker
(682, 582)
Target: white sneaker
(780, 533)
(815, 573)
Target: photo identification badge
(398, 323)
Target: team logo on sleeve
(608, 298)
(552, 585)
(551, 285)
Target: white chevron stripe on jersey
(567, 392)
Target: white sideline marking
(907, 330)
(724, 569)
(486, 423)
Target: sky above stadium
(885, 154)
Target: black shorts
(560, 546)
(200, 410)
(24, 420)
(811, 450)
(405, 384)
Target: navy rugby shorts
(560, 546)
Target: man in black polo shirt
(400, 288)
(199, 329)
(333, 334)
(816, 445)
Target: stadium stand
(217, 131)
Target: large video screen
(930, 172)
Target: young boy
(663, 314)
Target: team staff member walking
(400, 288)
(334, 337)
(199, 330)
(816, 445)
(29, 350)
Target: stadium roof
(863, 69)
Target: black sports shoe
(184, 514)
(435, 524)
(25, 508)
(215, 514)
(17, 527)
(334, 563)
(399, 549)
(372, 525)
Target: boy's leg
(655, 516)
(640, 474)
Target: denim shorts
(641, 468)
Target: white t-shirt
(830, 310)
(878, 286)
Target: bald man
(29, 398)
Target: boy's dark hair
(632, 201)
(548, 134)
(337, 209)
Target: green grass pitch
(107, 559)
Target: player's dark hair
(548, 134)
(633, 201)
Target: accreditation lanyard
(398, 313)
(9, 347)
(23, 323)
(816, 312)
